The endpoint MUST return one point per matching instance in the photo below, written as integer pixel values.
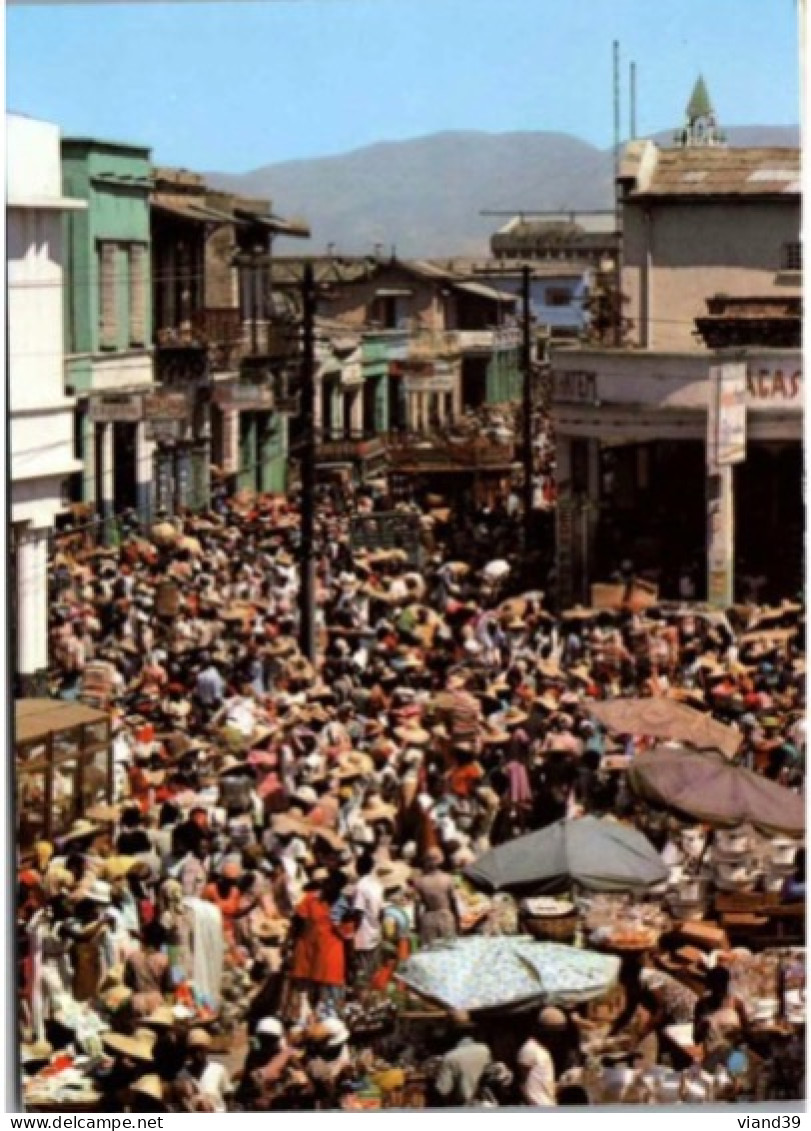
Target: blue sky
(231, 86)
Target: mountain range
(426, 196)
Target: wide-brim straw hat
(103, 814)
(134, 1048)
(150, 1085)
(354, 764)
(513, 717)
(413, 735)
(550, 670)
(270, 930)
(378, 811)
(161, 1018)
(116, 998)
(283, 824)
(393, 874)
(198, 1039)
(80, 829)
(38, 1051)
(493, 736)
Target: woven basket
(556, 927)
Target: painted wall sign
(772, 381)
(439, 383)
(115, 407)
(166, 406)
(726, 417)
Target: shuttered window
(108, 297)
(137, 294)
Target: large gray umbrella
(597, 855)
(706, 787)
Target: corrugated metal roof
(481, 290)
(718, 171)
(37, 718)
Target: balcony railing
(438, 451)
(351, 449)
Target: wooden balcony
(351, 449)
(448, 453)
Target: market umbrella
(668, 719)
(703, 785)
(507, 972)
(598, 855)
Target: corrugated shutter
(137, 265)
(108, 297)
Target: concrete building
(108, 323)
(42, 440)
(711, 255)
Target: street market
(253, 880)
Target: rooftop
(710, 171)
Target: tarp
(708, 788)
(506, 972)
(598, 855)
(666, 718)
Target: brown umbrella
(667, 719)
(704, 786)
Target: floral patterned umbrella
(490, 973)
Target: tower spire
(701, 125)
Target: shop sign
(575, 387)
(163, 431)
(773, 381)
(438, 383)
(109, 408)
(726, 419)
(166, 406)
(244, 398)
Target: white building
(42, 445)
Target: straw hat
(270, 930)
(198, 1039)
(150, 1085)
(134, 1048)
(39, 1050)
(116, 998)
(81, 828)
(376, 809)
(413, 734)
(354, 764)
(103, 813)
(513, 717)
(393, 874)
(100, 892)
(161, 1018)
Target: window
(792, 256)
(108, 297)
(558, 296)
(137, 294)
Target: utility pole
(527, 399)
(526, 402)
(307, 641)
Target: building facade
(108, 323)
(711, 273)
(41, 415)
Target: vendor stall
(483, 973)
(64, 766)
(600, 855)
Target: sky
(230, 86)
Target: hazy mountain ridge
(425, 196)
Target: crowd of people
(287, 830)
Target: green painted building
(108, 321)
